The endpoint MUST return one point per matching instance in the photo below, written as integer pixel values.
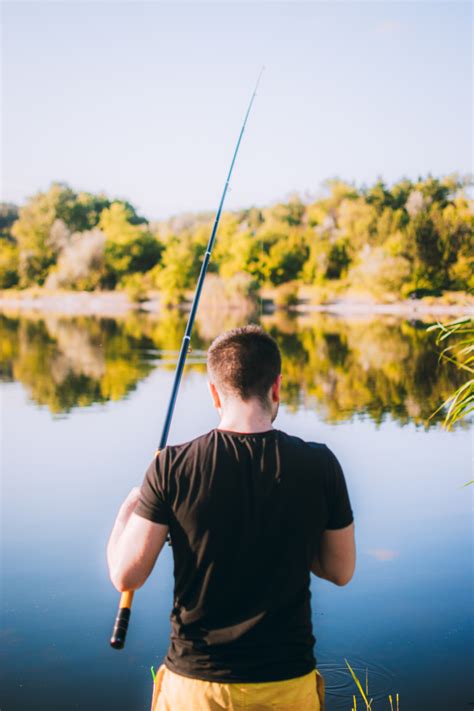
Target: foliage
(129, 247)
(459, 335)
(81, 263)
(38, 249)
(180, 266)
(49, 220)
(8, 215)
(381, 273)
(9, 263)
(285, 259)
(410, 238)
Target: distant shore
(117, 303)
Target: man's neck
(245, 419)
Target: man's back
(246, 513)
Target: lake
(83, 403)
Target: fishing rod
(119, 632)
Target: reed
(457, 339)
(364, 692)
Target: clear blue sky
(144, 100)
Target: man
(250, 511)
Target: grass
(457, 339)
(364, 692)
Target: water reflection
(343, 367)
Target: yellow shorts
(173, 692)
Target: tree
(81, 264)
(424, 239)
(32, 230)
(357, 221)
(8, 215)
(49, 218)
(38, 247)
(285, 259)
(379, 196)
(179, 268)
(129, 247)
(81, 211)
(381, 273)
(290, 213)
(422, 231)
(8, 264)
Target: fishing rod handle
(119, 633)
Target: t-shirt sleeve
(152, 503)
(339, 505)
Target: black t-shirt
(245, 514)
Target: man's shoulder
(183, 448)
(302, 444)
(285, 439)
(200, 447)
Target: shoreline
(398, 308)
(116, 303)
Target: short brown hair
(245, 362)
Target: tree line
(410, 238)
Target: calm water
(83, 402)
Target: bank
(116, 303)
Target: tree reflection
(65, 363)
(343, 367)
(373, 366)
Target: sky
(144, 100)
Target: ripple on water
(340, 684)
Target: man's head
(245, 364)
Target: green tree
(357, 221)
(179, 267)
(129, 247)
(38, 247)
(338, 260)
(425, 243)
(327, 259)
(32, 230)
(9, 263)
(290, 213)
(8, 215)
(379, 196)
(285, 259)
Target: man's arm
(335, 560)
(134, 546)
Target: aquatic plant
(364, 692)
(459, 335)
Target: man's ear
(215, 395)
(276, 389)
